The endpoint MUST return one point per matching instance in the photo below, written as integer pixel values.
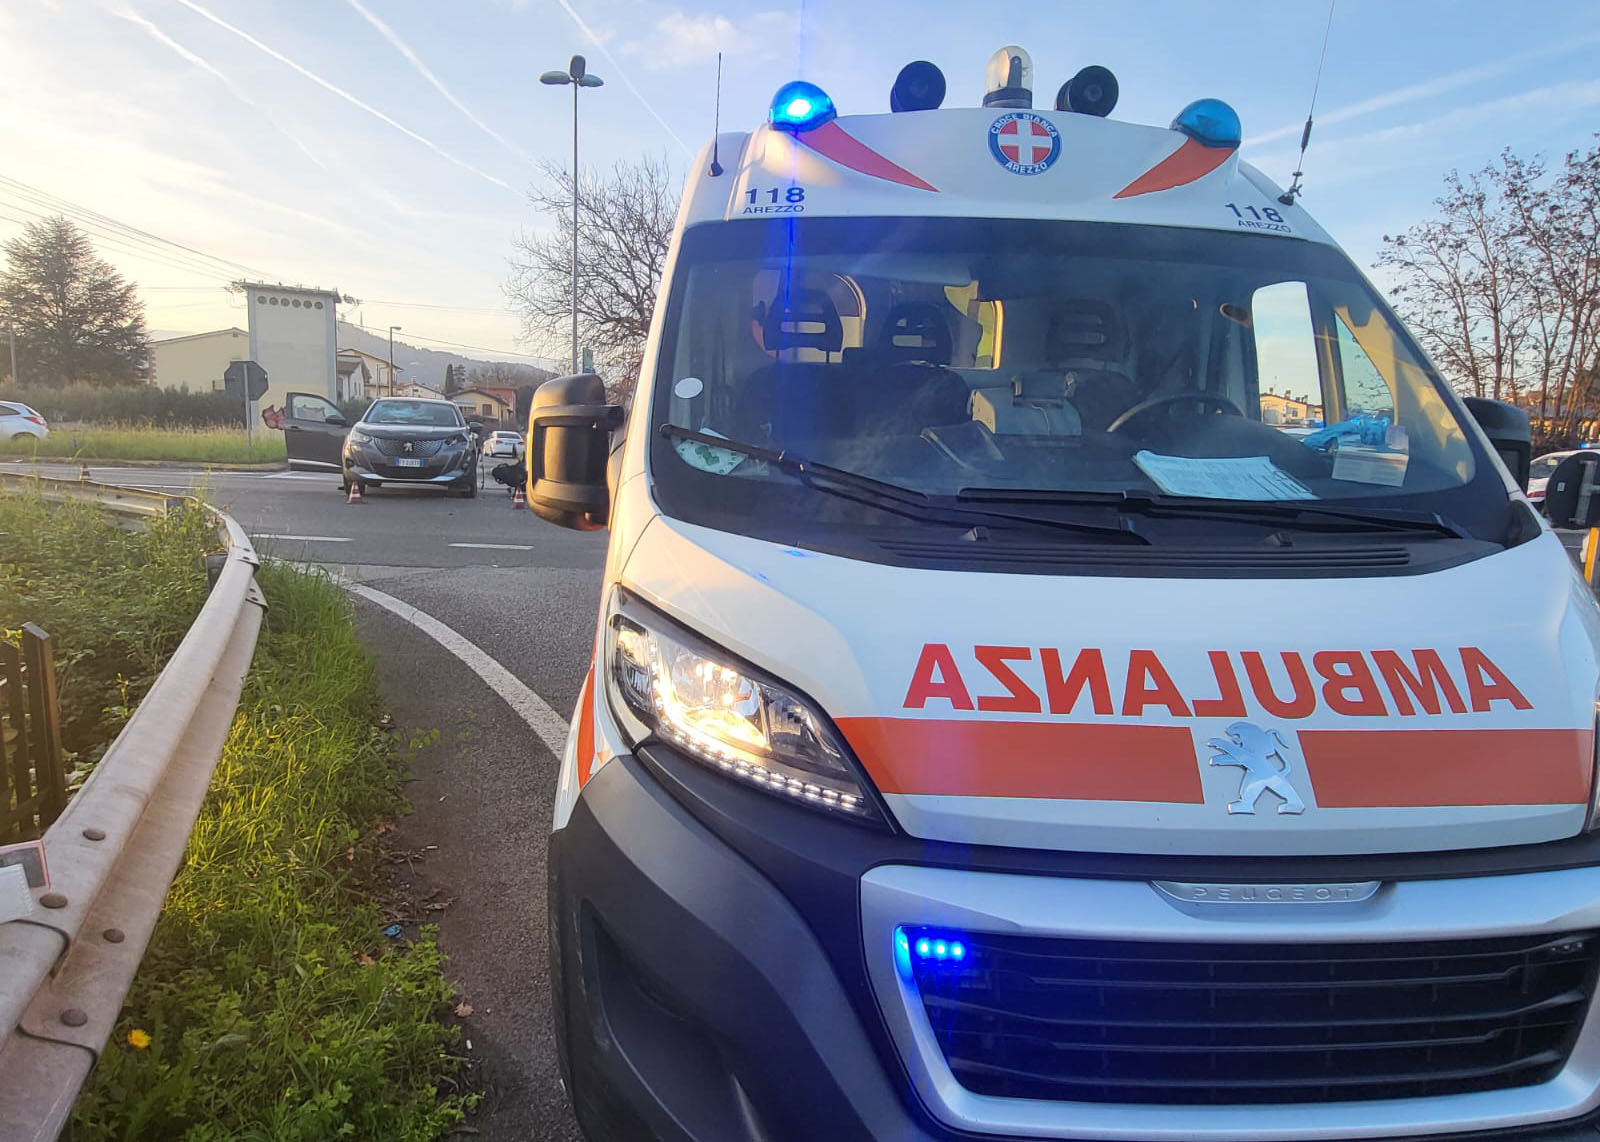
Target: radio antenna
(1288, 196)
(716, 122)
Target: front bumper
(372, 467)
(721, 969)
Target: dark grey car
(405, 440)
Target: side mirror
(1572, 496)
(569, 442)
(338, 420)
(1509, 434)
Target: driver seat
(1086, 346)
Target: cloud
(682, 40)
(599, 41)
(341, 93)
(1428, 88)
(423, 70)
(161, 37)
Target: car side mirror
(1572, 495)
(1509, 434)
(338, 420)
(569, 442)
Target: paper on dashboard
(1221, 478)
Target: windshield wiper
(891, 497)
(1290, 511)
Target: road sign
(243, 374)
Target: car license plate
(407, 462)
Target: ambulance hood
(1401, 713)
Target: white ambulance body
(1002, 726)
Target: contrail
(423, 70)
(133, 17)
(342, 94)
(617, 70)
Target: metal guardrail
(65, 970)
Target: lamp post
(392, 331)
(577, 74)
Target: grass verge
(116, 603)
(269, 1004)
(192, 445)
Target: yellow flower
(138, 1039)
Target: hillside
(430, 363)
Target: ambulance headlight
(801, 106)
(1210, 121)
(664, 683)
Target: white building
(197, 361)
(292, 337)
(379, 375)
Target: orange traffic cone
(518, 499)
(355, 494)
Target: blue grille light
(935, 948)
(1211, 122)
(800, 106)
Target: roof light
(1210, 122)
(1008, 80)
(801, 106)
(918, 87)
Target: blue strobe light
(1211, 122)
(801, 106)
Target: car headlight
(358, 437)
(663, 682)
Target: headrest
(802, 319)
(1085, 331)
(916, 331)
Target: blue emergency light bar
(801, 106)
(1210, 122)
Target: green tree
(75, 317)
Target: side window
(1365, 390)
(304, 406)
(1288, 381)
(7, 410)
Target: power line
(131, 229)
(104, 236)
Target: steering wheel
(1196, 397)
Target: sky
(384, 148)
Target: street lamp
(392, 330)
(577, 74)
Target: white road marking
(305, 538)
(550, 726)
(496, 546)
(300, 476)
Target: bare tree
(1461, 285)
(1503, 288)
(75, 318)
(625, 221)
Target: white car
(503, 443)
(17, 420)
(1539, 473)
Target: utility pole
(392, 330)
(577, 74)
(11, 335)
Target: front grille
(1220, 1024)
(419, 448)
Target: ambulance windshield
(952, 355)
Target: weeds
(274, 1007)
(115, 601)
(138, 442)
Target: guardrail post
(50, 775)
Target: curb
(188, 465)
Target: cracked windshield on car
(621, 571)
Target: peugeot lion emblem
(1263, 756)
(410, 446)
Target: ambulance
(1001, 725)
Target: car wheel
(20, 436)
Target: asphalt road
(526, 593)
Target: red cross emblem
(1024, 143)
